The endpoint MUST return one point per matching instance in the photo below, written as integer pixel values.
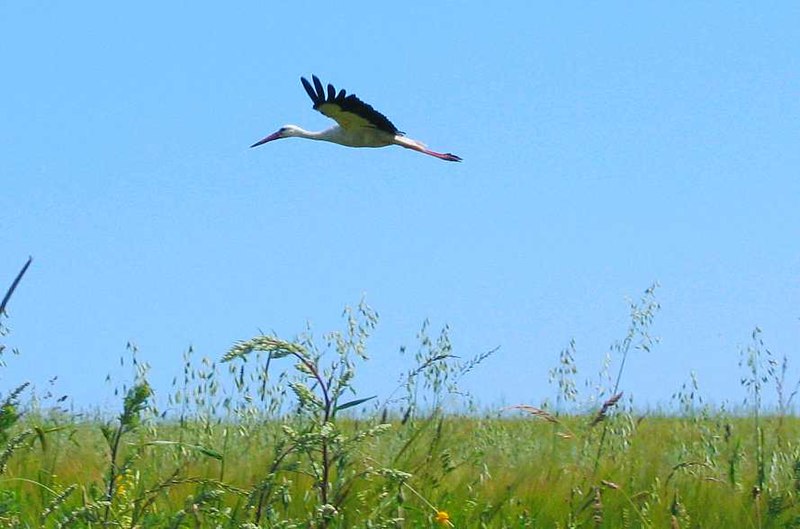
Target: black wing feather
(348, 103)
(318, 86)
(309, 90)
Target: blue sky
(606, 146)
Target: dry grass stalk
(536, 412)
(597, 508)
(610, 403)
(610, 484)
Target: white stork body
(361, 137)
(359, 125)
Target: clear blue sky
(606, 146)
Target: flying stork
(359, 125)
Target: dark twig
(14, 286)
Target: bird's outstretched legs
(450, 157)
(414, 145)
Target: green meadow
(274, 434)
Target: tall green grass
(277, 435)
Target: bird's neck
(312, 135)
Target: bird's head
(284, 132)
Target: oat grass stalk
(319, 390)
(637, 337)
(13, 444)
(135, 402)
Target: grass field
(491, 472)
(283, 441)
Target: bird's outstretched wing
(347, 110)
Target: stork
(359, 125)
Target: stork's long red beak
(273, 136)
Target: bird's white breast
(358, 137)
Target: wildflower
(443, 518)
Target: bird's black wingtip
(309, 89)
(314, 89)
(318, 87)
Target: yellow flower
(443, 518)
